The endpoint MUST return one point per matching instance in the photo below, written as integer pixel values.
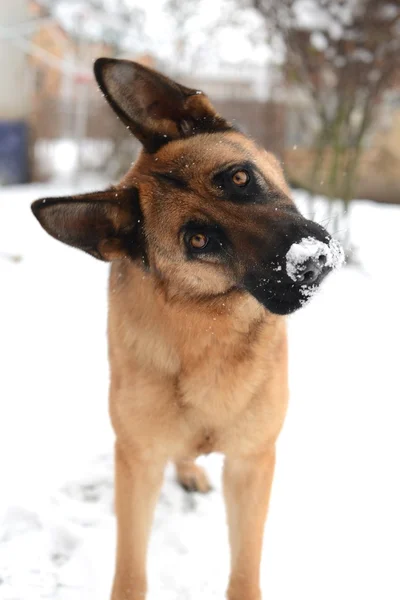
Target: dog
(208, 253)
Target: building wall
(15, 92)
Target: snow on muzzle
(309, 260)
(288, 279)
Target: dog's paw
(192, 477)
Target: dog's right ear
(153, 107)
(107, 225)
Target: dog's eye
(203, 240)
(241, 178)
(198, 241)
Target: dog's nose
(310, 259)
(311, 271)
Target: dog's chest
(215, 385)
(183, 386)
(214, 391)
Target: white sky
(205, 43)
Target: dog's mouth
(282, 298)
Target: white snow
(310, 247)
(334, 524)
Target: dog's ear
(108, 225)
(155, 108)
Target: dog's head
(204, 208)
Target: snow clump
(310, 247)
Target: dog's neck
(139, 284)
(152, 324)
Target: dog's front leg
(137, 484)
(247, 486)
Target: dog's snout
(311, 272)
(310, 259)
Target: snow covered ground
(334, 526)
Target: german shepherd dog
(198, 233)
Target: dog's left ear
(107, 225)
(155, 108)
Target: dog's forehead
(206, 153)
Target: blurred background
(317, 82)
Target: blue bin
(14, 163)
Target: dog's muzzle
(289, 279)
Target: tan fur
(191, 377)
(187, 380)
(198, 365)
